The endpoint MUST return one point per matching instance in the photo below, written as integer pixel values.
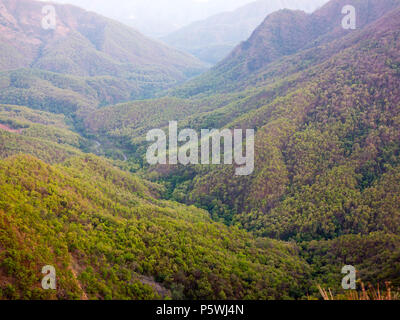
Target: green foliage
(105, 232)
(12, 144)
(39, 124)
(325, 106)
(376, 258)
(327, 140)
(89, 61)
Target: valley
(77, 192)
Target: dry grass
(365, 294)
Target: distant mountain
(87, 46)
(283, 33)
(157, 18)
(212, 39)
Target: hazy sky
(159, 17)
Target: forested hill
(217, 101)
(283, 34)
(109, 237)
(212, 39)
(98, 60)
(332, 136)
(326, 114)
(109, 234)
(325, 192)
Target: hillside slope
(338, 120)
(41, 134)
(88, 46)
(326, 114)
(281, 35)
(325, 192)
(109, 238)
(214, 101)
(212, 39)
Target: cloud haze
(159, 17)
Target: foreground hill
(114, 61)
(110, 238)
(212, 39)
(109, 235)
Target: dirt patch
(75, 269)
(6, 128)
(5, 279)
(163, 292)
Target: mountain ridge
(87, 45)
(267, 41)
(325, 192)
(211, 40)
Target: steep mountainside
(326, 110)
(338, 120)
(108, 233)
(325, 192)
(110, 238)
(213, 39)
(282, 34)
(203, 106)
(86, 45)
